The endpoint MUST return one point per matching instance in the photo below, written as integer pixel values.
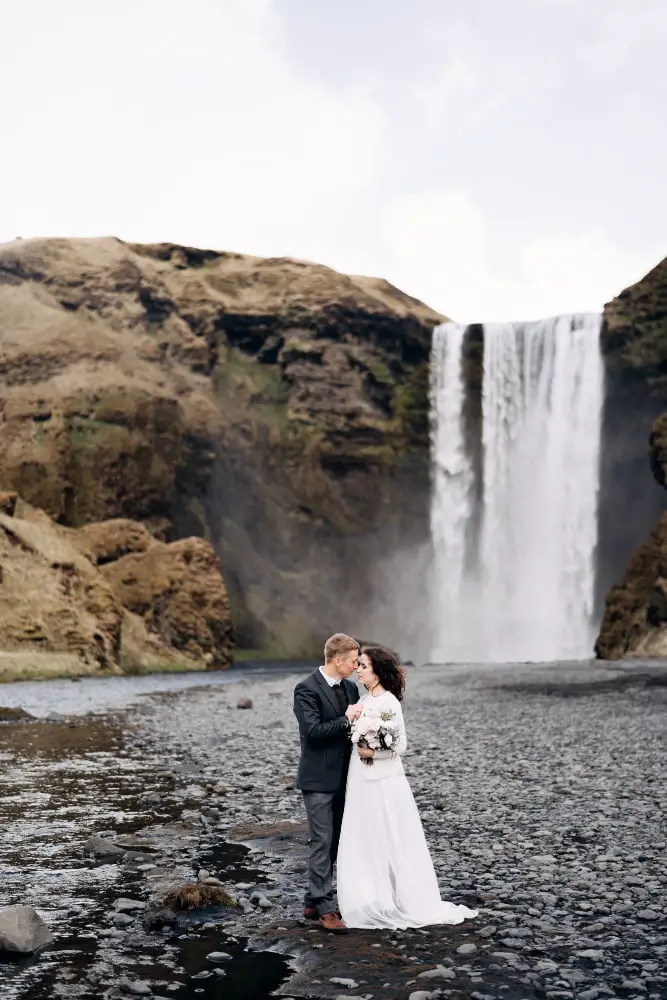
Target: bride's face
(365, 671)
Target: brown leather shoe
(310, 913)
(332, 922)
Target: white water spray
(527, 591)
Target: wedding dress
(385, 873)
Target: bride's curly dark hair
(387, 668)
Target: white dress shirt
(331, 681)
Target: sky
(499, 160)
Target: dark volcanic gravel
(542, 791)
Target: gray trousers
(325, 816)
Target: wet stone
(466, 949)
(440, 972)
(128, 905)
(99, 847)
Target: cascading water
(526, 591)
(452, 485)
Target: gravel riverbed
(542, 792)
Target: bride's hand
(365, 752)
(353, 712)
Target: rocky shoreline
(542, 795)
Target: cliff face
(275, 407)
(105, 598)
(634, 342)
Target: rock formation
(60, 613)
(634, 342)
(274, 407)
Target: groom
(320, 703)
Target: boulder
(178, 591)
(64, 609)
(22, 930)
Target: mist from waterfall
(522, 586)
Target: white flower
(389, 739)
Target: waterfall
(526, 591)
(452, 484)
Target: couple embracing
(360, 808)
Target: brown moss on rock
(106, 541)
(52, 598)
(634, 331)
(62, 610)
(178, 591)
(635, 617)
(197, 896)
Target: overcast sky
(501, 159)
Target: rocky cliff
(276, 408)
(104, 598)
(634, 342)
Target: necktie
(341, 697)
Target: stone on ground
(22, 930)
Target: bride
(385, 873)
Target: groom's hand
(353, 712)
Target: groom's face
(346, 663)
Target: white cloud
(436, 241)
(439, 246)
(161, 122)
(619, 29)
(438, 96)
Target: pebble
(128, 905)
(536, 831)
(339, 981)
(218, 956)
(440, 972)
(466, 949)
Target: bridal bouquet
(376, 731)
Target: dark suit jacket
(325, 743)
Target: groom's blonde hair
(338, 645)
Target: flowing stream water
(80, 770)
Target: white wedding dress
(385, 873)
